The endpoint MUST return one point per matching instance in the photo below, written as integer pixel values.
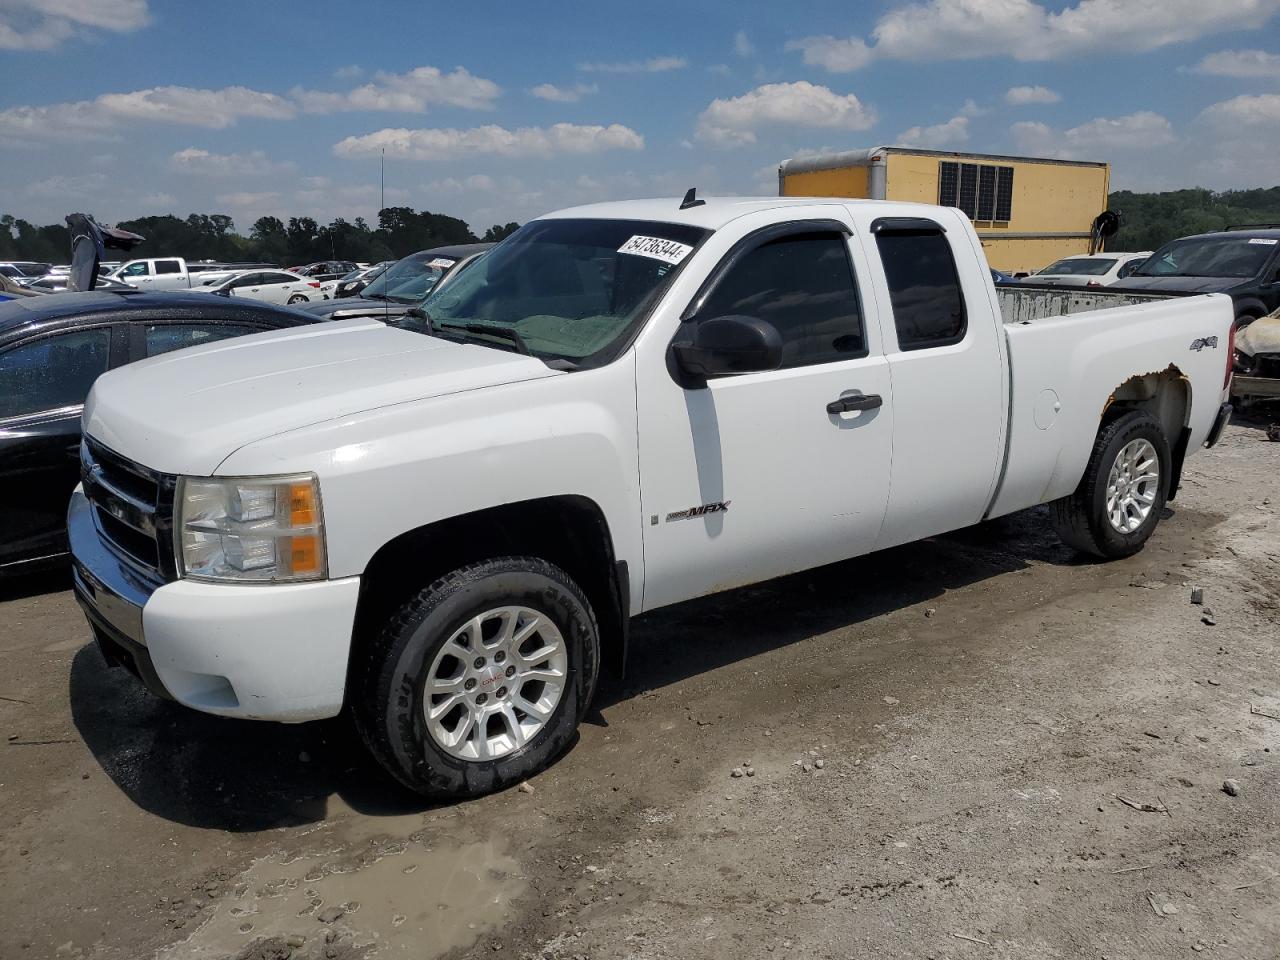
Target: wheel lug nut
(511, 671)
(479, 663)
(481, 698)
(502, 692)
(470, 684)
(499, 656)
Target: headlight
(250, 529)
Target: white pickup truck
(167, 273)
(445, 523)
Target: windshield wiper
(491, 330)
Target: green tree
(497, 232)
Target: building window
(982, 191)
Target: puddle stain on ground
(398, 897)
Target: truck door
(757, 475)
(137, 273)
(945, 348)
(171, 274)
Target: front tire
(1117, 505)
(480, 680)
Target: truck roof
(712, 214)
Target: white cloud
(971, 108)
(57, 187)
(475, 182)
(549, 91)
(244, 199)
(1244, 111)
(1025, 30)
(411, 92)
(652, 65)
(46, 24)
(199, 108)
(1021, 96)
(1244, 64)
(450, 144)
(349, 72)
(833, 54)
(735, 121)
(955, 130)
(1096, 139)
(156, 200)
(252, 164)
(742, 44)
(100, 118)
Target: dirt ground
(977, 746)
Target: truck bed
(1028, 303)
(1065, 370)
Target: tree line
(1148, 221)
(400, 231)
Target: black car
(1243, 262)
(52, 348)
(403, 285)
(357, 280)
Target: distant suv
(1241, 261)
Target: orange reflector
(304, 554)
(302, 504)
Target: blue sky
(499, 111)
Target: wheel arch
(569, 531)
(1166, 395)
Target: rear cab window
(924, 286)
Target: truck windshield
(1078, 267)
(569, 289)
(1224, 256)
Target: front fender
(388, 471)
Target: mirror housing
(728, 346)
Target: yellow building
(1028, 212)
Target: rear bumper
(262, 652)
(1219, 424)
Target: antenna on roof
(691, 199)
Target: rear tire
(415, 686)
(298, 298)
(1117, 505)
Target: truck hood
(187, 411)
(1191, 284)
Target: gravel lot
(977, 746)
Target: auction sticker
(668, 251)
(1264, 241)
(442, 263)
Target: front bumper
(262, 651)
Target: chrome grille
(132, 507)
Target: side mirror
(725, 346)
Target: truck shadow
(677, 642)
(243, 776)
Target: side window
(802, 284)
(279, 278)
(168, 266)
(165, 337)
(248, 280)
(135, 270)
(1128, 268)
(53, 372)
(924, 288)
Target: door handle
(859, 401)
